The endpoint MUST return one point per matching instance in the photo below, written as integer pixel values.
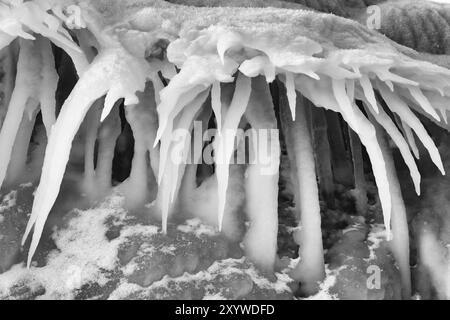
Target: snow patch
(196, 227)
(8, 201)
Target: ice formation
(170, 62)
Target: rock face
(105, 253)
(224, 279)
(189, 248)
(14, 209)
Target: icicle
(400, 241)
(17, 165)
(173, 171)
(216, 104)
(48, 86)
(157, 85)
(9, 70)
(92, 123)
(103, 74)
(368, 92)
(342, 170)
(291, 94)
(225, 141)
(443, 112)
(400, 108)
(407, 131)
(35, 18)
(108, 133)
(385, 121)
(366, 132)
(6, 39)
(40, 21)
(27, 80)
(143, 121)
(166, 135)
(260, 242)
(310, 270)
(423, 102)
(350, 88)
(360, 190)
(322, 153)
(185, 122)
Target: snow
(8, 201)
(326, 285)
(375, 237)
(83, 252)
(196, 227)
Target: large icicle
(225, 140)
(360, 190)
(48, 86)
(108, 133)
(174, 170)
(423, 102)
(91, 125)
(310, 270)
(400, 241)
(17, 165)
(366, 132)
(166, 135)
(401, 108)
(216, 104)
(107, 72)
(322, 153)
(408, 134)
(368, 92)
(184, 124)
(291, 94)
(9, 74)
(260, 242)
(143, 121)
(26, 87)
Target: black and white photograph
(245, 151)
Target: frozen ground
(105, 253)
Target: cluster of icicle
(193, 67)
